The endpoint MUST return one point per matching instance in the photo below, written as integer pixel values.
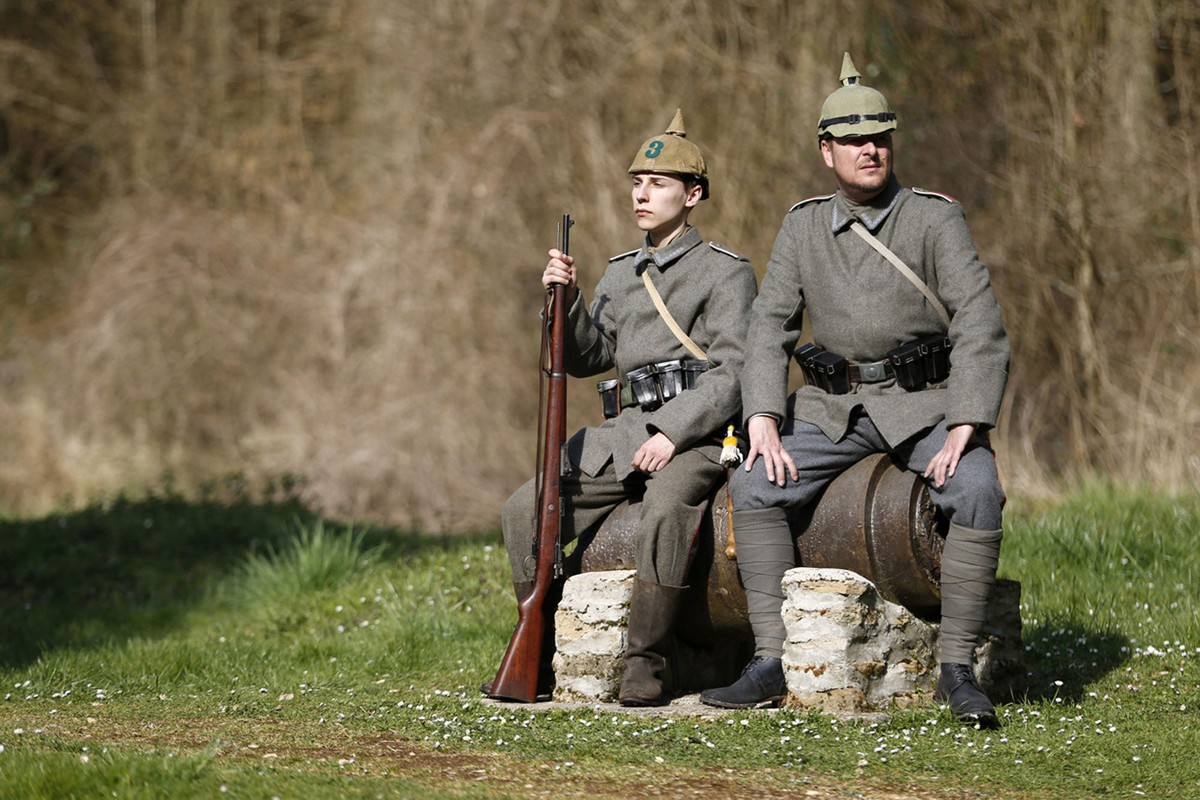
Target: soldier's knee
(750, 490)
(518, 524)
(740, 478)
(519, 512)
(973, 497)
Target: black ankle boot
(761, 684)
(957, 688)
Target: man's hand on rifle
(654, 454)
(561, 269)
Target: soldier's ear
(827, 152)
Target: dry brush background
(304, 236)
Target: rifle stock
(517, 677)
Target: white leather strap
(895, 261)
(683, 338)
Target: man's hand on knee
(765, 442)
(654, 454)
(944, 463)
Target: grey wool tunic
(860, 307)
(709, 291)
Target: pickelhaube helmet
(672, 153)
(854, 109)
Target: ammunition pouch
(914, 365)
(921, 362)
(610, 397)
(649, 386)
(828, 371)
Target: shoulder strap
(808, 200)
(619, 256)
(663, 312)
(895, 261)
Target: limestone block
(1000, 658)
(848, 649)
(589, 635)
(590, 638)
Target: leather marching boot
(546, 682)
(652, 613)
(958, 689)
(762, 684)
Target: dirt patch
(333, 749)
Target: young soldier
(881, 384)
(677, 392)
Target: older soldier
(678, 388)
(910, 358)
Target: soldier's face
(661, 203)
(862, 164)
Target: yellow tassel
(731, 456)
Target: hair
(690, 181)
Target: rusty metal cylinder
(875, 519)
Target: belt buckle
(872, 373)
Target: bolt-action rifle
(517, 678)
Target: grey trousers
(673, 499)
(972, 499)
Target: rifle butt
(517, 677)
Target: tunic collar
(665, 256)
(871, 213)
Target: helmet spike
(850, 74)
(676, 126)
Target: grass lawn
(242, 647)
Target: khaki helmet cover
(671, 153)
(854, 109)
